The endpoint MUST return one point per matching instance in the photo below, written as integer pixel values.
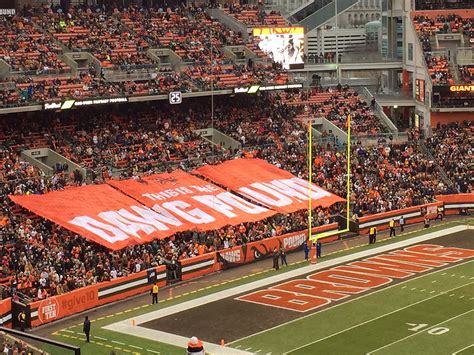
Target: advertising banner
(268, 185)
(57, 307)
(243, 254)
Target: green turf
(74, 336)
(380, 318)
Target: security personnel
(372, 235)
(154, 293)
(427, 222)
(391, 224)
(86, 328)
(318, 248)
(195, 347)
(22, 320)
(439, 213)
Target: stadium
(237, 177)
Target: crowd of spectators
(120, 39)
(453, 149)
(188, 31)
(335, 104)
(427, 27)
(26, 49)
(40, 258)
(467, 74)
(95, 30)
(15, 346)
(254, 15)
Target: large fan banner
(101, 214)
(268, 185)
(191, 202)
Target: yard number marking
(433, 331)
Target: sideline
(126, 326)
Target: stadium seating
(253, 16)
(26, 49)
(427, 26)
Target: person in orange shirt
(195, 347)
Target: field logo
(337, 283)
(48, 310)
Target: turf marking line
(461, 350)
(352, 300)
(376, 318)
(421, 331)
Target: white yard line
(151, 334)
(376, 318)
(461, 350)
(419, 332)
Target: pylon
(314, 259)
(222, 342)
(133, 322)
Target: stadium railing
(411, 215)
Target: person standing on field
(306, 250)
(276, 257)
(391, 224)
(402, 223)
(283, 256)
(372, 235)
(87, 328)
(154, 293)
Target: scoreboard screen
(284, 45)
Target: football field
(421, 306)
(432, 314)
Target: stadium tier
(145, 144)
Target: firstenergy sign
(461, 88)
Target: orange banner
(268, 185)
(190, 202)
(100, 213)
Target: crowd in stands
(335, 104)
(96, 31)
(26, 49)
(40, 258)
(14, 346)
(467, 73)
(427, 27)
(255, 15)
(453, 149)
(120, 40)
